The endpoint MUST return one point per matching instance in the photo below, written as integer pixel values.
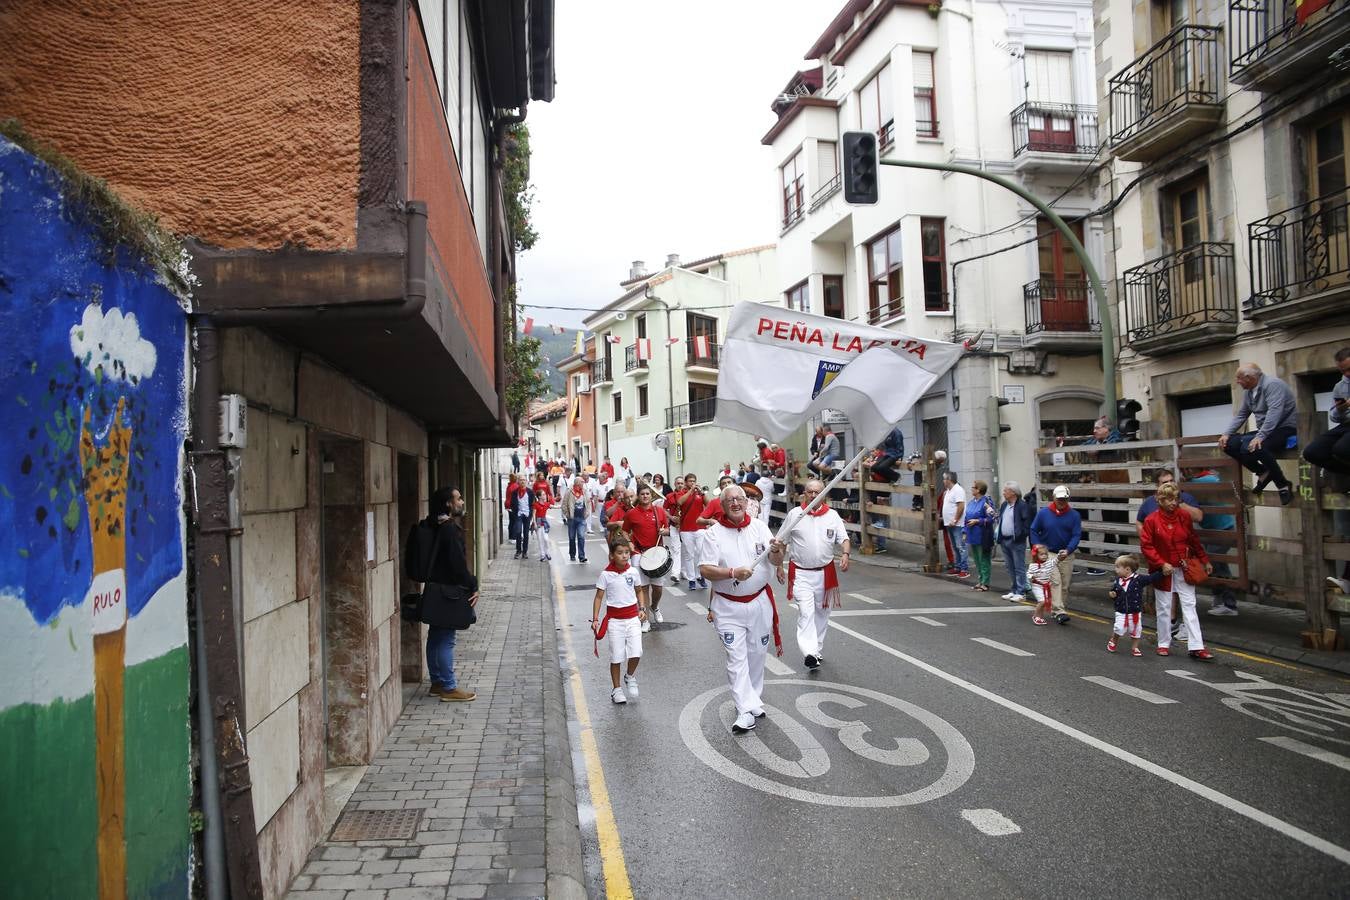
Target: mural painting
(94, 775)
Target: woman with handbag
(979, 525)
(1170, 545)
(435, 556)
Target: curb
(562, 827)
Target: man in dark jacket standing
(1014, 525)
(435, 555)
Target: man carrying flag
(812, 576)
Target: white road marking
(927, 621)
(848, 613)
(1139, 693)
(991, 822)
(697, 608)
(866, 599)
(1293, 832)
(777, 666)
(1308, 750)
(988, 642)
(671, 589)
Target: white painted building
(1007, 87)
(674, 392)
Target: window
(1187, 216)
(935, 432)
(827, 162)
(1204, 412)
(832, 287)
(618, 407)
(925, 100)
(798, 298)
(885, 286)
(793, 173)
(1050, 119)
(702, 403)
(701, 326)
(642, 401)
(876, 107)
(1325, 242)
(934, 246)
(1063, 286)
(1327, 162)
(642, 325)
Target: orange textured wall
(236, 122)
(434, 177)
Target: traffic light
(860, 167)
(996, 426)
(1126, 423)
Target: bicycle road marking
(1006, 648)
(1296, 746)
(777, 666)
(1131, 690)
(866, 599)
(1293, 832)
(991, 822)
(927, 621)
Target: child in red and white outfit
(616, 591)
(543, 499)
(1042, 574)
(1127, 592)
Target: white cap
(1061, 492)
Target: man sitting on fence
(1271, 402)
(1331, 451)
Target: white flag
(779, 368)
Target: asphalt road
(947, 747)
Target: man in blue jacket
(892, 452)
(1059, 528)
(1014, 526)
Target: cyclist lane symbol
(849, 710)
(1325, 716)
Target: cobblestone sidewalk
(493, 778)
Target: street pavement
(948, 747)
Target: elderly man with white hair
(813, 577)
(742, 601)
(1271, 402)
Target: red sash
(612, 612)
(777, 638)
(831, 595)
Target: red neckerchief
(1054, 507)
(613, 568)
(820, 510)
(723, 520)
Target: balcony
(885, 311)
(631, 363)
(1061, 316)
(1181, 301)
(600, 372)
(1168, 96)
(886, 137)
(1051, 137)
(825, 192)
(700, 412)
(1301, 262)
(711, 358)
(1271, 49)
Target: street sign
(1015, 393)
(834, 417)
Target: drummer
(647, 526)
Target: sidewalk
(1269, 630)
(492, 779)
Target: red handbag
(1194, 571)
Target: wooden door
(1063, 282)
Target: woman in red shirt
(1168, 539)
(543, 499)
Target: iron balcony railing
(698, 412)
(794, 202)
(1302, 250)
(711, 358)
(886, 136)
(1258, 28)
(1191, 287)
(1059, 306)
(884, 312)
(1054, 128)
(630, 360)
(1180, 70)
(826, 191)
(600, 372)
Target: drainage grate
(377, 825)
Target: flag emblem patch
(826, 372)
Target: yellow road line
(617, 885)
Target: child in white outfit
(616, 590)
(1042, 574)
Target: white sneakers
(617, 695)
(1223, 611)
(646, 626)
(1010, 596)
(659, 617)
(744, 722)
(630, 683)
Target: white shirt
(765, 484)
(737, 548)
(812, 541)
(619, 587)
(597, 490)
(522, 504)
(1007, 525)
(955, 494)
(623, 476)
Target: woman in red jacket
(1168, 540)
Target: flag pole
(790, 523)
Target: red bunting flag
(644, 348)
(556, 329)
(614, 339)
(529, 326)
(672, 341)
(701, 347)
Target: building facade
(1008, 88)
(577, 369)
(339, 181)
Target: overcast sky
(652, 143)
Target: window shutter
(826, 160)
(923, 69)
(1049, 76)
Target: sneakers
(583, 560)
(812, 662)
(1062, 619)
(458, 695)
(962, 574)
(630, 684)
(702, 584)
(692, 585)
(516, 555)
(758, 713)
(618, 696)
(1163, 651)
(1037, 620)
(1223, 611)
(1012, 595)
(646, 626)
(1137, 652)
(675, 580)
(1286, 494)
(1202, 653)
(744, 722)
(1111, 646)
(659, 618)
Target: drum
(655, 562)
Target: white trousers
(676, 553)
(689, 553)
(808, 590)
(1186, 600)
(590, 523)
(746, 630)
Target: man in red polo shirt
(688, 502)
(646, 524)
